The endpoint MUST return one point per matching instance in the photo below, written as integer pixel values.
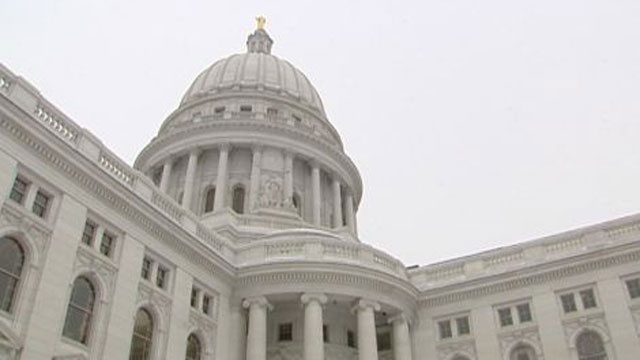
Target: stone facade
(235, 232)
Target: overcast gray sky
(475, 124)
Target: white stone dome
(256, 70)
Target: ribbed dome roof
(255, 70)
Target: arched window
(590, 347)
(297, 203)
(80, 311)
(209, 199)
(194, 349)
(11, 262)
(523, 352)
(142, 341)
(238, 199)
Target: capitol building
(234, 236)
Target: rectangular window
(505, 317)
(19, 190)
(297, 119)
(285, 332)
(219, 110)
(271, 112)
(588, 298)
(246, 108)
(40, 204)
(161, 277)
(351, 339)
(325, 333)
(194, 297)
(384, 341)
(106, 245)
(633, 287)
(444, 327)
(462, 323)
(146, 268)
(88, 233)
(568, 303)
(524, 313)
(206, 304)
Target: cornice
(115, 195)
(528, 276)
(326, 272)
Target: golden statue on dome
(261, 20)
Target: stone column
(221, 181)
(315, 184)
(313, 340)
(257, 335)
(166, 175)
(237, 346)
(350, 212)
(255, 178)
(367, 342)
(190, 179)
(337, 203)
(401, 339)
(288, 176)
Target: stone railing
(573, 243)
(315, 245)
(25, 96)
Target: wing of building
(234, 236)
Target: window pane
(18, 191)
(40, 204)
(590, 346)
(505, 316)
(88, 233)
(588, 298)
(106, 245)
(633, 286)
(445, 329)
(524, 313)
(194, 349)
(285, 332)
(194, 297)
(351, 339)
(463, 325)
(568, 303)
(146, 269)
(384, 341)
(77, 322)
(209, 200)
(206, 304)
(238, 200)
(11, 262)
(161, 278)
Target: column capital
(309, 297)
(257, 300)
(399, 318)
(314, 164)
(225, 146)
(363, 304)
(195, 151)
(256, 148)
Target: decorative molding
(160, 301)
(110, 198)
(12, 215)
(88, 260)
(527, 281)
(204, 324)
(574, 325)
(450, 349)
(530, 336)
